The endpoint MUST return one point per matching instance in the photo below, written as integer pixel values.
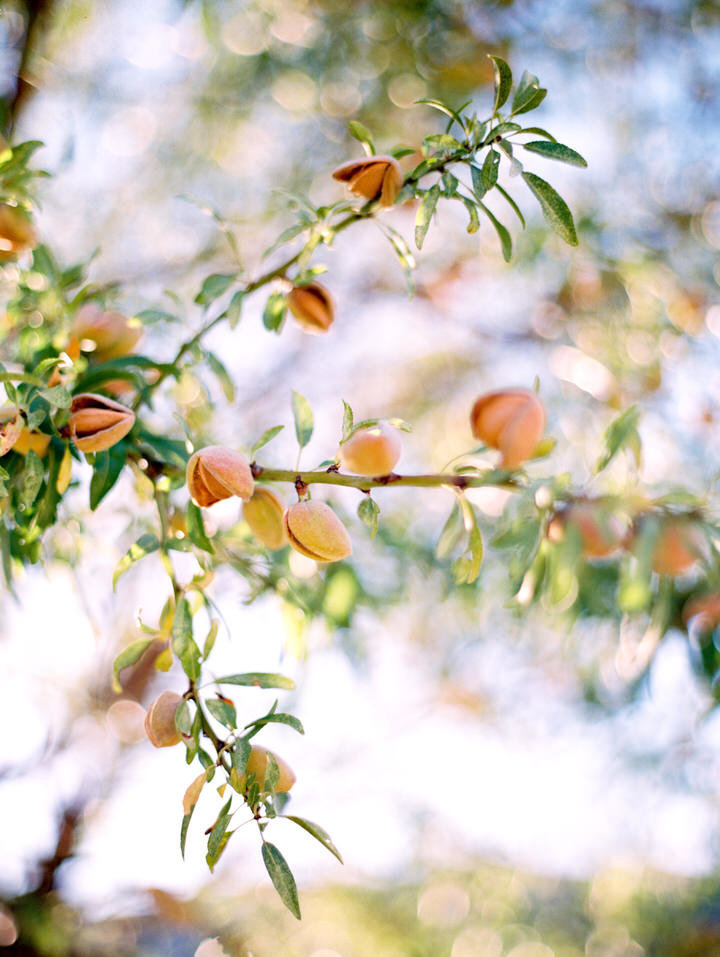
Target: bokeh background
(500, 783)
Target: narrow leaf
(213, 287)
(274, 312)
(279, 717)
(258, 679)
(223, 376)
(196, 528)
(128, 656)
(143, 546)
(514, 206)
(504, 235)
(282, 878)
(319, 833)
(503, 81)
(265, 438)
(108, 466)
(489, 170)
(303, 417)
(451, 534)
(556, 151)
(554, 208)
(425, 214)
(222, 711)
(32, 477)
(368, 512)
(363, 135)
(347, 422)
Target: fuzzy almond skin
(510, 420)
(678, 547)
(264, 514)
(17, 235)
(257, 765)
(374, 177)
(705, 609)
(601, 533)
(314, 530)
(160, 720)
(312, 306)
(215, 473)
(372, 451)
(113, 333)
(97, 423)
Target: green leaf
(303, 417)
(514, 206)
(489, 170)
(210, 639)
(451, 534)
(473, 221)
(554, 208)
(363, 135)
(149, 317)
(108, 466)
(183, 720)
(213, 287)
(274, 312)
(278, 717)
(504, 235)
(235, 308)
(539, 131)
(282, 878)
(556, 151)
(319, 833)
(258, 679)
(265, 438)
(272, 774)
(368, 512)
(442, 143)
(443, 108)
(528, 95)
(621, 433)
(241, 755)
(58, 396)
(425, 214)
(347, 422)
(196, 528)
(145, 545)
(128, 656)
(222, 711)
(402, 251)
(503, 81)
(501, 129)
(223, 376)
(183, 644)
(217, 833)
(33, 475)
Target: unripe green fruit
(160, 720)
(215, 473)
(314, 530)
(372, 451)
(257, 765)
(264, 514)
(511, 420)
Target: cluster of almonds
(162, 732)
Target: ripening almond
(14, 435)
(314, 530)
(264, 514)
(705, 609)
(17, 235)
(678, 546)
(372, 451)
(106, 334)
(97, 423)
(312, 306)
(215, 473)
(601, 531)
(257, 765)
(160, 720)
(374, 177)
(511, 420)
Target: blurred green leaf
(274, 312)
(106, 471)
(222, 711)
(303, 418)
(363, 135)
(451, 535)
(33, 475)
(213, 287)
(425, 214)
(223, 376)
(145, 545)
(266, 437)
(621, 433)
(196, 528)
(258, 679)
(368, 513)
(503, 234)
(183, 644)
(128, 656)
